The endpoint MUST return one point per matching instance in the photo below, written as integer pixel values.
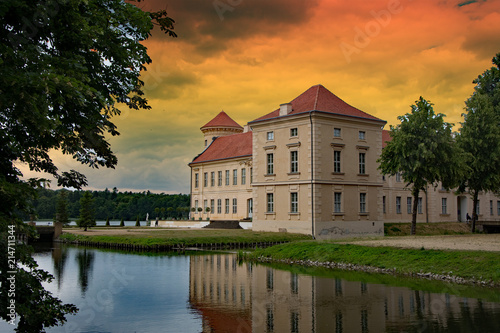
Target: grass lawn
(165, 237)
(479, 265)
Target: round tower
(221, 125)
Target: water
(126, 292)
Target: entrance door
(461, 208)
(250, 207)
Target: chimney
(285, 109)
(246, 128)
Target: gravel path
(480, 242)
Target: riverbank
(166, 239)
(458, 266)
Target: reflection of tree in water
(59, 257)
(85, 260)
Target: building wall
(453, 209)
(204, 193)
(316, 172)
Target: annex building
(310, 167)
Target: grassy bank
(172, 237)
(458, 266)
(427, 229)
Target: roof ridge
(316, 99)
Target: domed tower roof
(221, 125)
(222, 120)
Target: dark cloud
(209, 24)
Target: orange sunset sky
(248, 56)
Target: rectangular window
(227, 206)
(219, 206)
(362, 202)
(398, 205)
(205, 205)
(235, 206)
(294, 202)
(251, 175)
(212, 205)
(294, 161)
(408, 205)
(336, 161)
(205, 179)
(491, 207)
(227, 177)
(337, 132)
(196, 180)
(196, 205)
(444, 208)
(243, 176)
(498, 207)
(383, 204)
(270, 136)
(212, 178)
(478, 208)
(294, 132)
(270, 164)
(219, 178)
(235, 177)
(362, 167)
(337, 202)
(398, 177)
(419, 206)
(362, 135)
(270, 202)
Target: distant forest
(116, 205)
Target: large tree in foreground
(66, 68)
(422, 149)
(480, 137)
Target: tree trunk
(415, 192)
(474, 212)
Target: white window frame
(294, 202)
(270, 202)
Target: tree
(480, 137)
(423, 150)
(122, 222)
(107, 221)
(137, 222)
(87, 212)
(65, 66)
(61, 208)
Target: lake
(119, 291)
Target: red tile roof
(222, 120)
(318, 98)
(386, 137)
(226, 147)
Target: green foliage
(122, 222)
(423, 150)
(87, 212)
(65, 67)
(107, 222)
(137, 222)
(113, 205)
(480, 136)
(61, 208)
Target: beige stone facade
(311, 167)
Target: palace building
(310, 167)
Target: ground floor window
(270, 202)
(444, 206)
(227, 206)
(398, 205)
(294, 202)
(419, 206)
(362, 202)
(235, 206)
(409, 209)
(219, 206)
(337, 202)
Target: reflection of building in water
(246, 298)
(221, 290)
